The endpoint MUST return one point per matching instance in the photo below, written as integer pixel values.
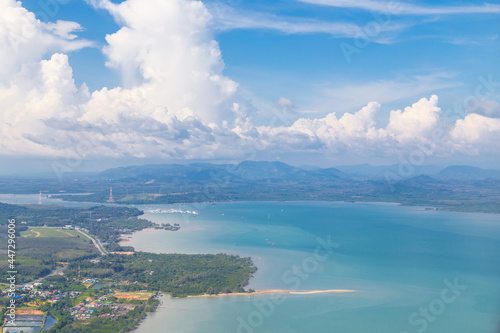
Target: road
(57, 271)
(96, 242)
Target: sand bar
(281, 291)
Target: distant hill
(262, 170)
(461, 188)
(368, 171)
(421, 180)
(247, 170)
(465, 172)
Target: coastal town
(94, 298)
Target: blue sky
(272, 63)
(250, 60)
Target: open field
(142, 296)
(51, 232)
(30, 311)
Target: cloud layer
(402, 8)
(176, 103)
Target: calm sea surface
(414, 270)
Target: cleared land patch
(51, 232)
(142, 296)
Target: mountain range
(251, 170)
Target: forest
(177, 274)
(104, 222)
(37, 257)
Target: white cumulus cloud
(167, 48)
(476, 134)
(175, 100)
(415, 122)
(25, 39)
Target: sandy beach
(280, 291)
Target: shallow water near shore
(401, 260)
(414, 270)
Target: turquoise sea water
(415, 270)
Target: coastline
(423, 204)
(276, 291)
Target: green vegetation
(464, 195)
(38, 249)
(51, 256)
(58, 216)
(62, 283)
(44, 232)
(178, 274)
(38, 256)
(104, 222)
(459, 188)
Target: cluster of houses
(89, 280)
(90, 307)
(86, 309)
(30, 291)
(100, 306)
